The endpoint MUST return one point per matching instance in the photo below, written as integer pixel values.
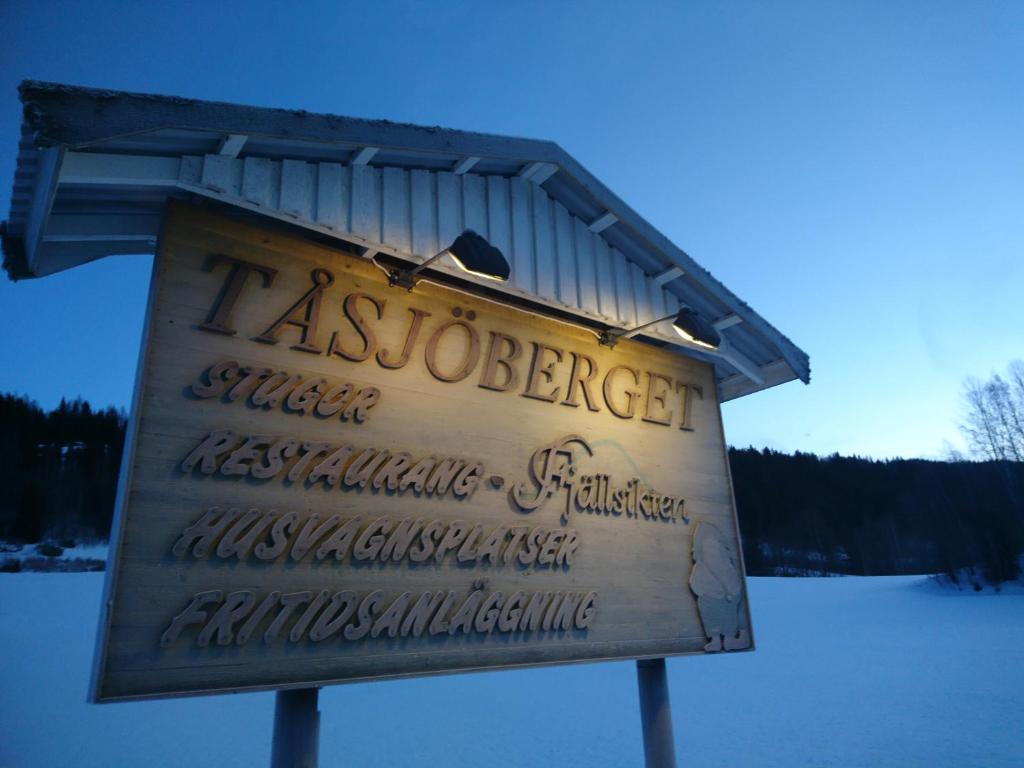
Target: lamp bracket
(402, 278)
(610, 337)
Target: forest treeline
(804, 514)
(58, 469)
(799, 514)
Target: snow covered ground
(30, 553)
(889, 671)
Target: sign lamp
(471, 252)
(687, 323)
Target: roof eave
(54, 115)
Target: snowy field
(31, 557)
(849, 672)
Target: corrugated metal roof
(96, 167)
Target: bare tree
(994, 425)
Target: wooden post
(655, 714)
(296, 729)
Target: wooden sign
(330, 479)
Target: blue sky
(855, 171)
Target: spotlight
(687, 323)
(470, 252)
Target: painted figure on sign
(716, 581)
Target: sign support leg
(655, 714)
(296, 729)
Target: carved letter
(283, 449)
(220, 376)
(428, 538)
(688, 391)
(362, 328)
(311, 451)
(542, 370)
(237, 463)
(568, 548)
(251, 377)
(391, 471)
(468, 362)
(309, 319)
(340, 610)
(193, 614)
(289, 602)
(307, 616)
(236, 607)
(443, 476)
(487, 616)
(577, 379)
(370, 541)
(463, 618)
(467, 479)
(400, 540)
(511, 612)
(467, 551)
(305, 396)
(532, 548)
(330, 468)
(549, 614)
(585, 613)
(339, 541)
(416, 620)
(439, 623)
(202, 534)
(243, 635)
(551, 467)
(279, 534)
(550, 547)
(497, 358)
(534, 611)
(566, 611)
(364, 618)
(512, 549)
(457, 531)
(235, 544)
(333, 401)
(364, 465)
(418, 475)
(631, 394)
(272, 391)
(220, 312)
(205, 454)
(410, 341)
(660, 397)
(491, 548)
(391, 618)
(311, 533)
(364, 400)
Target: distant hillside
(58, 470)
(805, 514)
(799, 514)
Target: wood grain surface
(280, 393)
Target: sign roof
(96, 168)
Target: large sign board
(330, 479)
